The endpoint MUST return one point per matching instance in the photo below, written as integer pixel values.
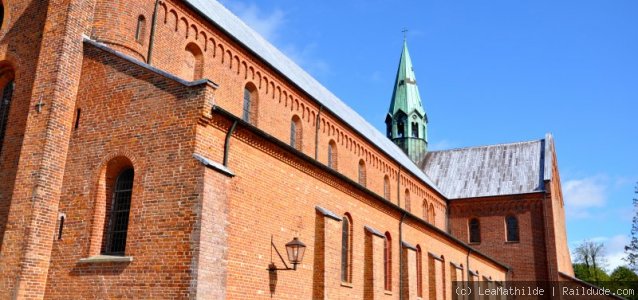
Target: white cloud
(583, 194)
(268, 24)
(441, 145)
(306, 57)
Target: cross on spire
(405, 32)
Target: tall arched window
(346, 249)
(419, 271)
(5, 104)
(140, 31)
(193, 67)
(511, 223)
(387, 262)
(362, 173)
(295, 133)
(415, 130)
(1, 14)
(475, 230)
(332, 155)
(250, 104)
(386, 187)
(119, 214)
(408, 204)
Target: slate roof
(494, 170)
(227, 21)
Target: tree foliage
(592, 256)
(632, 249)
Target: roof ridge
(488, 146)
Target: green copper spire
(406, 120)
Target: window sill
(512, 242)
(347, 284)
(474, 243)
(106, 259)
(389, 293)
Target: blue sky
(490, 72)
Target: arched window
(387, 262)
(5, 104)
(425, 210)
(475, 230)
(362, 173)
(119, 214)
(1, 14)
(415, 130)
(419, 271)
(511, 223)
(386, 187)
(250, 104)
(401, 127)
(408, 205)
(140, 31)
(295, 133)
(346, 249)
(432, 214)
(332, 155)
(193, 67)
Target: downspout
(227, 142)
(401, 255)
(152, 39)
(467, 266)
(399, 187)
(317, 132)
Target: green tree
(632, 248)
(623, 273)
(592, 255)
(590, 274)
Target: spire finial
(405, 32)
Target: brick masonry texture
(197, 231)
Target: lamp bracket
(272, 267)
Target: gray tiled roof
(504, 169)
(236, 28)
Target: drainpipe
(152, 39)
(401, 256)
(317, 132)
(399, 187)
(467, 267)
(227, 142)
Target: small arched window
(140, 31)
(475, 230)
(119, 214)
(401, 128)
(408, 204)
(332, 155)
(419, 271)
(425, 210)
(346, 249)
(250, 104)
(387, 262)
(5, 104)
(511, 223)
(295, 133)
(432, 214)
(386, 187)
(362, 173)
(415, 130)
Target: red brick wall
(151, 122)
(528, 257)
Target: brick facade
(206, 201)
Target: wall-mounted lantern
(295, 250)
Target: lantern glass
(295, 250)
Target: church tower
(406, 121)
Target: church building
(163, 149)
